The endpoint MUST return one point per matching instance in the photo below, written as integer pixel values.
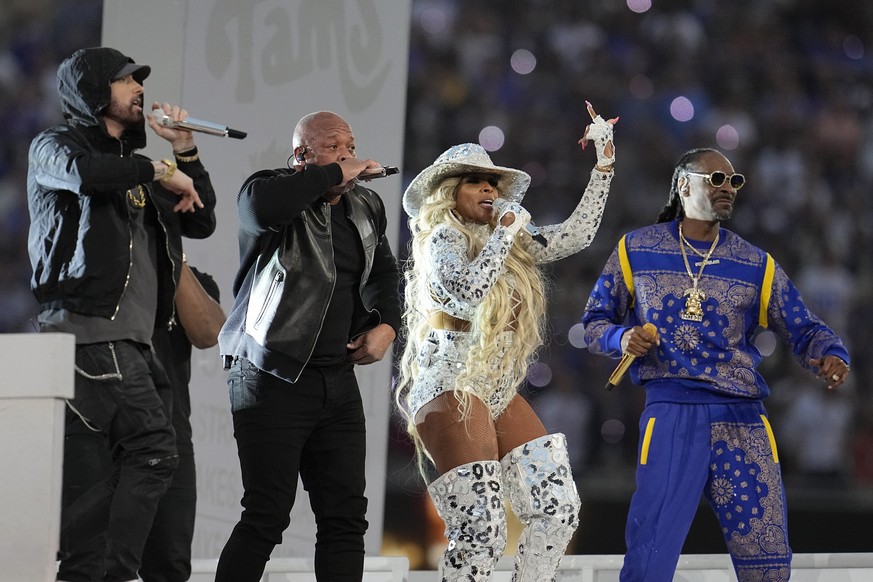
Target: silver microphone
(529, 228)
(193, 124)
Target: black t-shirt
(135, 319)
(345, 303)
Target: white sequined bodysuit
(458, 285)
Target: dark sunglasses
(717, 179)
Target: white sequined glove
(600, 132)
(503, 207)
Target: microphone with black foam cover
(200, 125)
(628, 359)
(500, 205)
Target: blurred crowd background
(783, 87)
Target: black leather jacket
(77, 183)
(287, 274)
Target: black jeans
(167, 554)
(122, 395)
(314, 428)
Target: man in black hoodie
(105, 247)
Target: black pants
(167, 553)
(313, 428)
(122, 397)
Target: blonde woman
(474, 316)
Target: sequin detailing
(543, 495)
(441, 359)
(577, 232)
(458, 285)
(469, 499)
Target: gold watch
(171, 169)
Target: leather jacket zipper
(172, 321)
(277, 278)
(129, 255)
(127, 277)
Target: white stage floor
(849, 567)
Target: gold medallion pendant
(694, 297)
(693, 305)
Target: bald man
(316, 294)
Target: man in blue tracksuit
(704, 429)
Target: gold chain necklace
(692, 247)
(698, 253)
(138, 200)
(694, 296)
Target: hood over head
(84, 87)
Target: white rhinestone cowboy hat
(466, 158)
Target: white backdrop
(258, 66)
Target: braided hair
(673, 209)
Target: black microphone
(378, 173)
(529, 228)
(628, 359)
(193, 124)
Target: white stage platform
(856, 567)
(376, 569)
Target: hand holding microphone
(503, 206)
(641, 344)
(192, 124)
(373, 173)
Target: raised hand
(600, 132)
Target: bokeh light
(576, 336)
(766, 342)
(853, 47)
(523, 61)
(682, 109)
(539, 374)
(612, 430)
(639, 6)
(641, 87)
(433, 20)
(491, 138)
(727, 137)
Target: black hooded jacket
(77, 186)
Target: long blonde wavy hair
(520, 308)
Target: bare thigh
(452, 440)
(517, 425)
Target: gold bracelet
(192, 158)
(171, 169)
